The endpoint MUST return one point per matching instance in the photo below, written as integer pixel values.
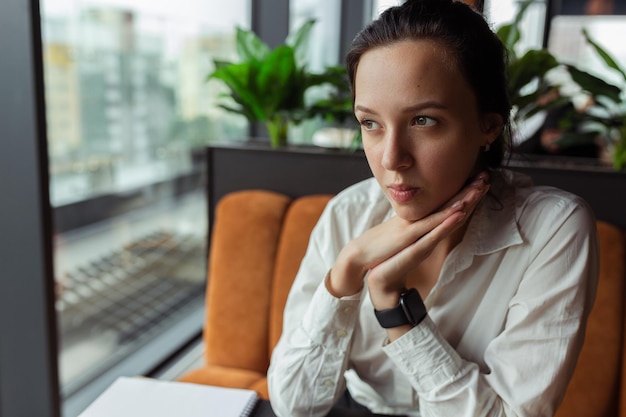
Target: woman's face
(421, 128)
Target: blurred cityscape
(128, 108)
(127, 99)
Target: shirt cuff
(425, 357)
(330, 320)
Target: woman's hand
(393, 248)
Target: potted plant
(530, 92)
(526, 73)
(606, 115)
(269, 85)
(335, 109)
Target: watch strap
(391, 317)
(410, 310)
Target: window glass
(322, 51)
(379, 6)
(323, 47)
(128, 111)
(499, 12)
(567, 43)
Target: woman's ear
(491, 125)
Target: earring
(487, 147)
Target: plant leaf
(298, 40)
(603, 54)
(238, 110)
(275, 77)
(250, 46)
(236, 77)
(533, 64)
(510, 33)
(594, 85)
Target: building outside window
(128, 112)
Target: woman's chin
(410, 214)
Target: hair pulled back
(475, 49)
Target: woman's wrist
(345, 278)
(339, 287)
(383, 299)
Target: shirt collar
(493, 226)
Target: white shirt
(505, 320)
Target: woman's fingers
(402, 244)
(479, 182)
(390, 273)
(387, 239)
(458, 209)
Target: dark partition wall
(307, 170)
(294, 171)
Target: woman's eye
(369, 124)
(424, 121)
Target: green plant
(335, 106)
(526, 73)
(607, 115)
(604, 116)
(269, 85)
(531, 92)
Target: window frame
(28, 351)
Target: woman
(507, 271)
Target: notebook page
(144, 397)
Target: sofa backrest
(244, 243)
(258, 240)
(300, 219)
(595, 386)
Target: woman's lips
(401, 193)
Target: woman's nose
(396, 155)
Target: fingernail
(457, 204)
(461, 217)
(474, 195)
(478, 182)
(481, 179)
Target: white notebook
(144, 397)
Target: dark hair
(477, 51)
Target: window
(500, 12)
(567, 43)
(128, 111)
(322, 51)
(379, 6)
(323, 45)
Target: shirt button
(329, 382)
(347, 310)
(342, 333)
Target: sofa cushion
(241, 265)
(300, 219)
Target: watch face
(413, 306)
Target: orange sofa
(258, 239)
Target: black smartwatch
(410, 310)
